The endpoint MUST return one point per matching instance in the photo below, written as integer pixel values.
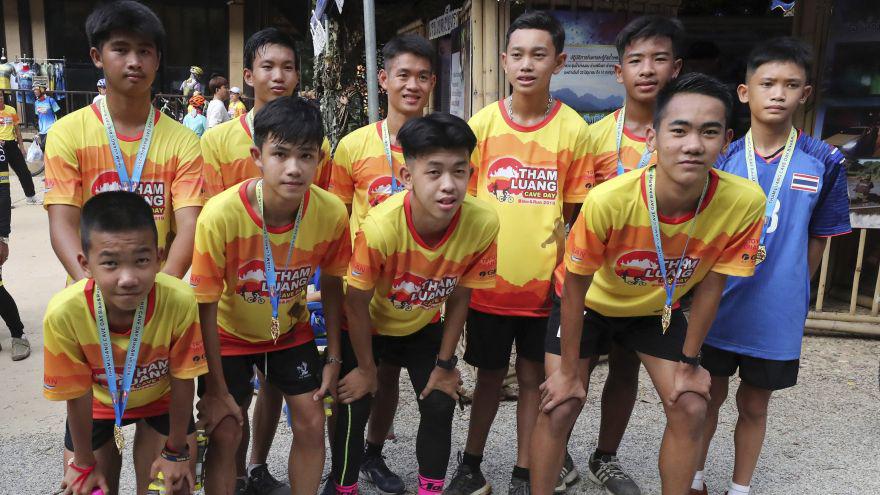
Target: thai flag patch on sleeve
(804, 182)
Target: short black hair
(537, 19)
(651, 26)
(115, 212)
(412, 44)
(263, 38)
(124, 15)
(694, 83)
(217, 82)
(436, 131)
(289, 119)
(782, 49)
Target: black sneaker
(241, 487)
(374, 470)
(605, 471)
(467, 481)
(261, 482)
(329, 487)
(568, 476)
(518, 486)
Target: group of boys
(420, 227)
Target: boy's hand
(560, 387)
(4, 252)
(177, 475)
(443, 380)
(329, 382)
(356, 384)
(213, 407)
(86, 486)
(690, 378)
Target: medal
(127, 183)
(669, 280)
(646, 155)
(775, 186)
(119, 398)
(386, 142)
(269, 260)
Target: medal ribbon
(249, 120)
(646, 155)
(120, 399)
(655, 231)
(128, 183)
(268, 258)
(778, 179)
(386, 141)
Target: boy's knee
(688, 413)
(437, 407)
(563, 416)
(754, 410)
(226, 435)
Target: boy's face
(691, 134)
(774, 91)
(288, 169)
(274, 73)
(234, 97)
(123, 264)
(129, 62)
(647, 65)
(38, 92)
(438, 181)
(223, 92)
(531, 60)
(408, 81)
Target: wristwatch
(333, 359)
(693, 361)
(447, 365)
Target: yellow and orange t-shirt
(228, 267)
(612, 241)
(171, 347)
(411, 278)
(526, 174)
(361, 175)
(8, 121)
(79, 165)
(226, 150)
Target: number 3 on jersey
(774, 219)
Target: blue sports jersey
(763, 316)
(45, 110)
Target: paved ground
(823, 435)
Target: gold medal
(118, 438)
(761, 255)
(666, 319)
(275, 329)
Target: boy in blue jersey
(760, 320)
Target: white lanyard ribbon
(386, 142)
(778, 179)
(646, 155)
(127, 183)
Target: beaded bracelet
(173, 456)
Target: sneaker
(467, 481)
(261, 482)
(605, 471)
(21, 348)
(329, 487)
(374, 470)
(518, 486)
(704, 491)
(241, 487)
(568, 476)
(33, 200)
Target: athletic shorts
(767, 374)
(294, 371)
(102, 429)
(635, 333)
(417, 350)
(490, 339)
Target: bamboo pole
(823, 275)
(861, 299)
(858, 272)
(477, 55)
(490, 51)
(875, 307)
(843, 317)
(844, 326)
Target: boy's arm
(177, 473)
(443, 380)
(815, 251)
(82, 474)
(64, 236)
(19, 139)
(331, 301)
(361, 380)
(180, 252)
(216, 403)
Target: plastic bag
(34, 153)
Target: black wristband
(447, 365)
(693, 361)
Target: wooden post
(875, 307)
(823, 275)
(477, 100)
(853, 300)
(490, 51)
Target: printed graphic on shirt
(508, 179)
(641, 267)
(252, 281)
(409, 290)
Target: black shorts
(416, 350)
(490, 339)
(102, 429)
(767, 374)
(294, 371)
(635, 333)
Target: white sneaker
(33, 200)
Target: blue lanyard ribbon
(668, 285)
(268, 258)
(386, 142)
(646, 155)
(120, 399)
(127, 183)
(778, 179)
